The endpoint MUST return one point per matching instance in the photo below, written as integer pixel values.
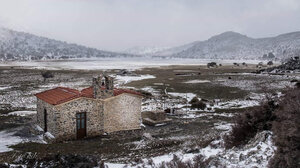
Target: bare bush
(282, 117)
(196, 162)
(249, 123)
(47, 74)
(286, 129)
(197, 104)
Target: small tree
(47, 74)
(211, 64)
(196, 104)
(194, 100)
(270, 63)
(199, 105)
(236, 64)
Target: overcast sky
(120, 24)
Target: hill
(24, 46)
(232, 45)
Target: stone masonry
(105, 112)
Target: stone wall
(155, 115)
(122, 112)
(119, 113)
(67, 120)
(51, 116)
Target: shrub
(47, 74)
(297, 85)
(196, 104)
(194, 100)
(212, 64)
(270, 63)
(286, 129)
(177, 162)
(282, 117)
(199, 105)
(145, 93)
(236, 64)
(249, 123)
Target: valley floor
(227, 91)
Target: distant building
(71, 114)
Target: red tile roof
(62, 94)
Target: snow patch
(7, 139)
(128, 79)
(115, 165)
(4, 87)
(38, 128)
(256, 153)
(197, 81)
(188, 96)
(223, 126)
(49, 135)
(22, 113)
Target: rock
(147, 136)
(242, 157)
(259, 160)
(292, 65)
(258, 147)
(196, 150)
(125, 72)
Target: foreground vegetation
(281, 116)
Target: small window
(78, 124)
(82, 123)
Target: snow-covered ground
(197, 81)
(22, 113)
(191, 115)
(117, 63)
(4, 87)
(126, 79)
(188, 96)
(7, 139)
(177, 101)
(253, 84)
(256, 153)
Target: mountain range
(232, 45)
(24, 46)
(229, 45)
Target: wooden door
(81, 125)
(45, 121)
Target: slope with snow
(231, 45)
(24, 46)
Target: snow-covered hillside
(231, 45)
(24, 46)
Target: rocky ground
(226, 91)
(290, 66)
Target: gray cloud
(120, 24)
